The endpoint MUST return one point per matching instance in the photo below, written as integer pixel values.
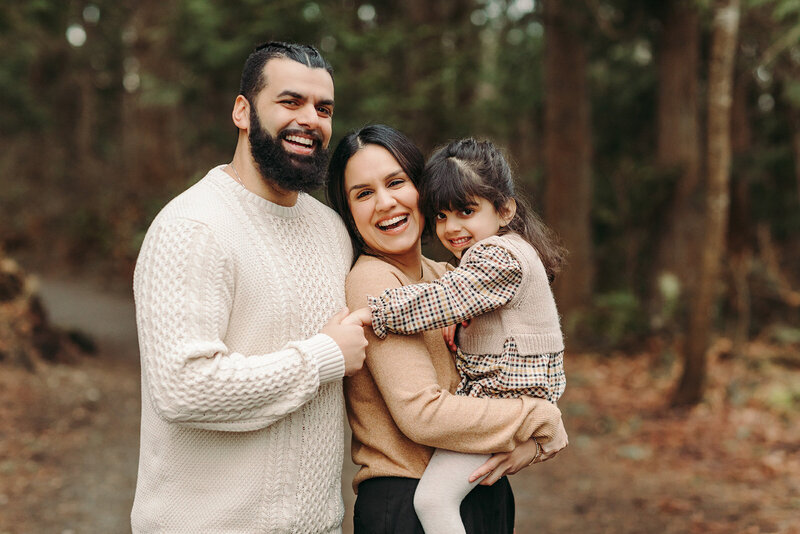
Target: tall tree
(568, 150)
(717, 199)
(679, 146)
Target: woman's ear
(508, 211)
(241, 113)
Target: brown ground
(69, 441)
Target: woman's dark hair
(467, 169)
(398, 144)
(253, 76)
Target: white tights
(443, 486)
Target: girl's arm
(488, 279)
(408, 378)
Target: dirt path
(70, 464)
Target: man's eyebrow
(298, 96)
(293, 94)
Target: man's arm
(183, 288)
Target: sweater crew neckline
(219, 177)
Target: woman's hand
(360, 317)
(508, 463)
(559, 442)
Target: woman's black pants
(385, 505)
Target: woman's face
(383, 202)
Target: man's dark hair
(253, 77)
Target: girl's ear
(508, 211)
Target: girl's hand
(508, 463)
(360, 317)
(449, 335)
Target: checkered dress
(487, 280)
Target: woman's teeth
(388, 224)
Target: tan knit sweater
(400, 405)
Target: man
(237, 290)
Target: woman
(400, 405)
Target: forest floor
(69, 439)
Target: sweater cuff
(378, 316)
(330, 360)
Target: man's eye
(327, 112)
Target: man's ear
(241, 113)
(508, 211)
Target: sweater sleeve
(486, 280)
(183, 288)
(426, 412)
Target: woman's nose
(384, 200)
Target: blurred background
(659, 139)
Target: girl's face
(384, 203)
(460, 229)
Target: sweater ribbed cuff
(330, 359)
(378, 316)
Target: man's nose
(307, 116)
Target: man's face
(291, 124)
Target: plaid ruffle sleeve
(488, 280)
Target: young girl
(512, 345)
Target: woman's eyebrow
(390, 175)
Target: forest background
(659, 139)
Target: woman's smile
(384, 203)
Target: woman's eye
(363, 193)
(397, 182)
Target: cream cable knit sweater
(241, 398)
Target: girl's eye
(441, 216)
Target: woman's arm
(405, 373)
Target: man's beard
(290, 172)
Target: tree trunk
(568, 153)
(740, 235)
(679, 146)
(720, 96)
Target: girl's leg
(443, 486)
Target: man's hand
(360, 317)
(350, 338)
